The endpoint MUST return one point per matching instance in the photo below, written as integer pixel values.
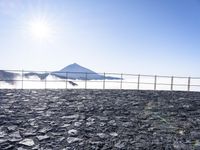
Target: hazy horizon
(130, 36)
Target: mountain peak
(75, 64)
(76, 68)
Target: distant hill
(42, 76)
(8, 76)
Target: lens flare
(40, 29)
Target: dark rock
(3, 140)
(197, 145)
(120, 145)
(2, 134)
(15, 136)
(99, 119)
(7, 146)
(178, 145)
(195, 134)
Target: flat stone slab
(27, 142)
(73, 139)
(42, 137)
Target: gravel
(99, 119)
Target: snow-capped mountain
(75, 71)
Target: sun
(40, 29)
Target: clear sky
(131, 36)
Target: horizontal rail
(145, 75)
(107, 79)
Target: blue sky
(131, 36)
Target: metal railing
(22, 79)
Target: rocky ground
(99, 119)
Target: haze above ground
(130, 36)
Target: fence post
(86, 80)
(66, 79)
(172, 82)
(189, 80)
(22, 79)
(45, 81)
(121, 81)
(138, 86)
(155, 82)
(104, 78)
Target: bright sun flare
(40, 29)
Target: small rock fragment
(73, 139)
(9, 94)
(3, 141)
(36, 147)
(119, 145)
(71, 117)
(61, 139)
(21, 148)
(12, 128)
(102, 118)
(112, 122)
(77, 124)
(2, 134)
(197, 144)
(44, 130)
(27, 142)
(178, 145)
(102, 135)
(42, 137)
(195, 134)
(114, 134)
(72, 132)
(15, 136)
(65, 125)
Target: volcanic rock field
(99, 119)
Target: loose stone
(27, 142)
(42, 137)
(72, 132)
(73, 139)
